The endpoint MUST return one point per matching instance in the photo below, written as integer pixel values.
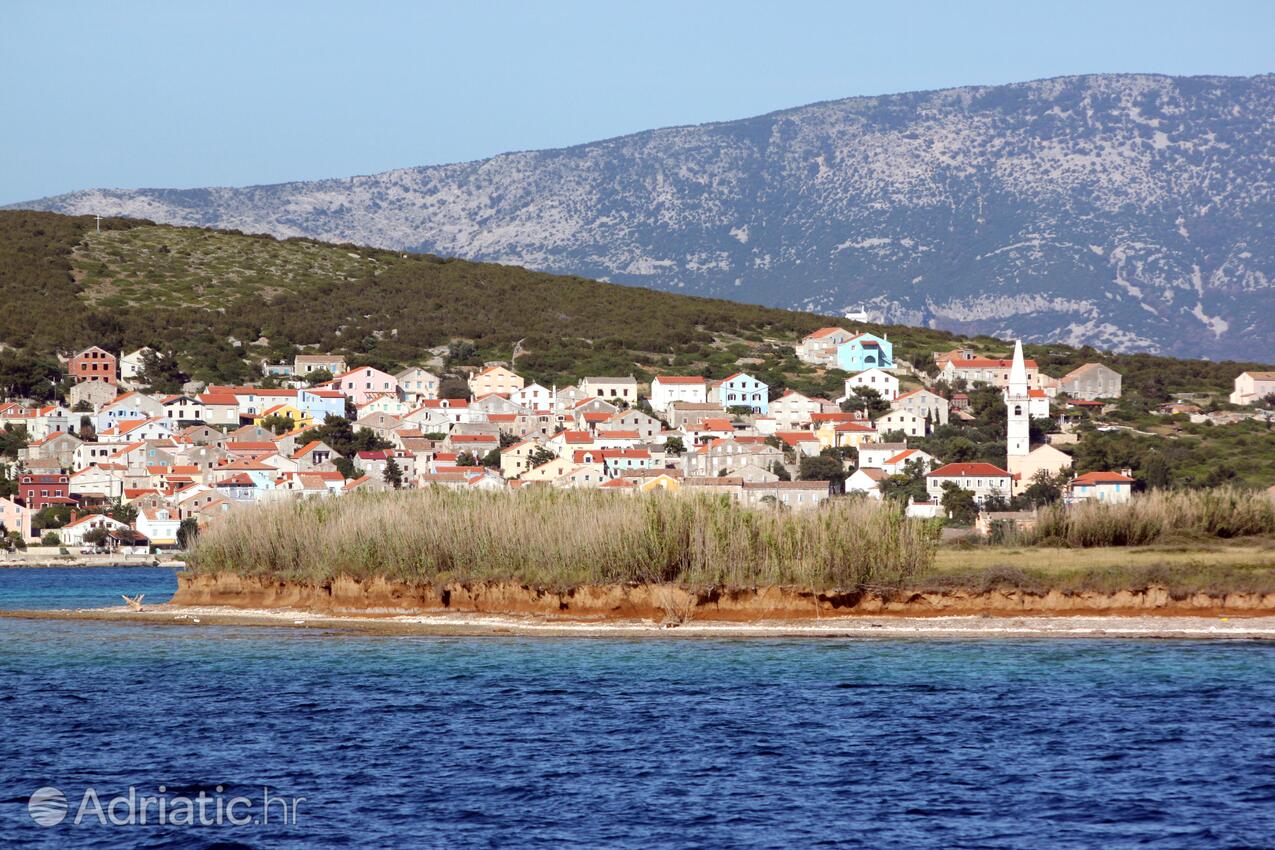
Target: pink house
(365, 383)
(15, 517)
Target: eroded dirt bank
(374, 597)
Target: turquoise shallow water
(497, 742)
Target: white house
(984, 480)
(74, 532)
(1110, 487)
(160, 525)
(874, 379)
(1252, 386)
(666, 389)
(926, 403)
(902, 420)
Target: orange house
(93, 364)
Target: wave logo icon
(47, 806)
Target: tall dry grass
(1156, 517)
(564, 538)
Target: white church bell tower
(1018, 436)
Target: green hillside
(223, 301)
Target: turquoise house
(742, 390)
(865, 351)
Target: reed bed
(1157, 517)
(564, 538)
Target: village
(115, 469)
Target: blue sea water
(401, 742)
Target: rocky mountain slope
(1130, 212)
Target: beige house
(1252, 386)
(416, 385)
(1043, 458)
(612, 389)
(495, 379)
(924, 403)
(96, 394)
(906, 421)
(304, 364)
(793, 409)
(1091, 381)
(986, 370)
(820, 347)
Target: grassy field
(202, 269)
(566, 538)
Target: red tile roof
(1092, 478)
(969, 470)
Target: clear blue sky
(178, 94)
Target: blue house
(741, 390)
(865, 351)
(320, 404)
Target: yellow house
(842, 434)
(296, 418)
(495, 379)
(660, 482)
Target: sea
(117, 735)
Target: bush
(568, 538)
(50, 538)
(1224, 512)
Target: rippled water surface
(494, 742)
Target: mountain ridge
(1126, 211)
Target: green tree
(1156, 472)
(781, 470)
(96, 536)
(393, 474)
(821, 468)
(160, 372)
(187, 531)
(539, 456)
(866, 398)
(959, 504)
(467, 458)
(1045, 489)
(491, 460)
(319, 376)
(51, 538)
(675, 446)
(908, 483)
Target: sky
(113, 93)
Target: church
(1024, 403)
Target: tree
(1045, 489)
(821, 468)
(674, 446)
(276, 423)
(393, 474)
(781, 470)
(959, 504)
(13, 438)
(51, 538)
(319, 376)
(539, 456)
(187, 531)
(453, 387)
(346, 467)
(87, 432)
(467, 458)
(491, 460)
(53, 516)
(907, 484)
(96, 536)
(160, 372)
(1156, 472)
(121, 512)
(866, 398)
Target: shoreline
(1146, 626)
